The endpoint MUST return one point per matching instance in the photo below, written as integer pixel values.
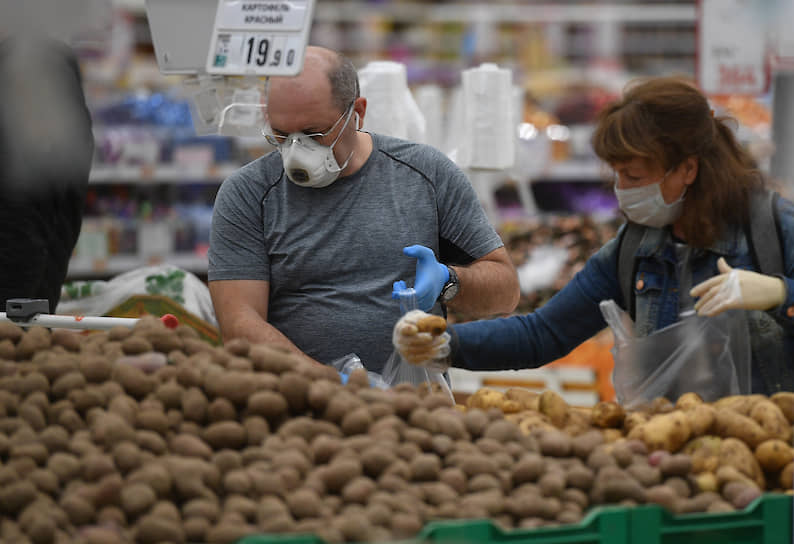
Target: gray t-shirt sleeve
(237, 246)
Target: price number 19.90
(257, 50)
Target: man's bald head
(326, 71)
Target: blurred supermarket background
(154, 178)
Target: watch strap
(451, 287)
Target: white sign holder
(259, 37)
(229, 47)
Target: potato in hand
(421, 337)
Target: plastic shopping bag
(350, 362)
(398, 370)
(98, 297)
(706, 355)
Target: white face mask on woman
(645, 205)
(308, 163)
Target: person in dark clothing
(46, 147)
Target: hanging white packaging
(488, 132)
(243, 113)
(430, 100)
(391, 108)
(205, 100)
(454, 125)
(231, 106)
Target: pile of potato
(152, 435)
(743, 438)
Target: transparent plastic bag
(706, 355)
(350, 362)
(398, 370)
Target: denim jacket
(573, 315)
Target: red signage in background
(739, 43)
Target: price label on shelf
(260, 38)
(734, 45)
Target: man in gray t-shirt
(307, 241)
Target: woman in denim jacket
(681, 174)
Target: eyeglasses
(279, 140)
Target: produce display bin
(765, 521)
(768, 520)
(605, 525)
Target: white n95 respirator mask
(646, 206)
(310, 164)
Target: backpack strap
(764, 236)
(627, 269)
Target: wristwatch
(451, 288)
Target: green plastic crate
(765, 521)
(600, 526)
(606, 524)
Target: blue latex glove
(396, 288)
(430, 276)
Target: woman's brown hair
(666, 120)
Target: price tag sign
(782, 39)
(258, 37)
(733, 46)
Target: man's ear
(360, 107)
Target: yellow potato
(787, 476)
(705, 453)
(770, 417)
(735, 453)
(607, 414)
(701, 418)
(774, 454)
(785, 401)
(535, 421)
(485, 398)
(634, 419)
(526, 398)
(554, 406)
(729, 423)
(688, 401)
(741, 404)
(664, 431)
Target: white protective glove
(738, 289)
(421, 338)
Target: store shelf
(573, 170)
(507, 12)
(133, 6)
(503, 12)
(112, 266)
(164, 173)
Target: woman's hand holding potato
(421, 338)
